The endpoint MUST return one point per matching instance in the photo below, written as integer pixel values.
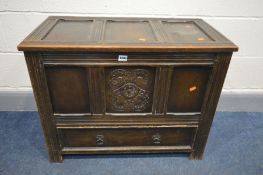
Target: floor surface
(235, 147)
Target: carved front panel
(129, 89)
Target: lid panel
(186, 32)
(70, 31)
(101, 34)
(129, 31)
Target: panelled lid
(125, 35)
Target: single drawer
(121, 137)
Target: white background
(240, 20)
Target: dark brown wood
(161, 99)
(188, 88)
(127, 150)
(97, 90)
(121, 137)
(68, 89)
(40, 89)
(209, 112)
(162, 86)
(129, 89)
(126, 35)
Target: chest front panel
(134, 88)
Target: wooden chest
(126, 85)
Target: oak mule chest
(126, 85)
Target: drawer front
(127, 137)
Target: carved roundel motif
(129, 90)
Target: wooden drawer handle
(156, 138)
(99, 139)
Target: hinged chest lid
(125, 35)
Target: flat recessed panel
(188, 88)
(68, 89)
(129, 31)
(129, 89)
(70, 31)
(186, 32)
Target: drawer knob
(99, 139)
(156, 138)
